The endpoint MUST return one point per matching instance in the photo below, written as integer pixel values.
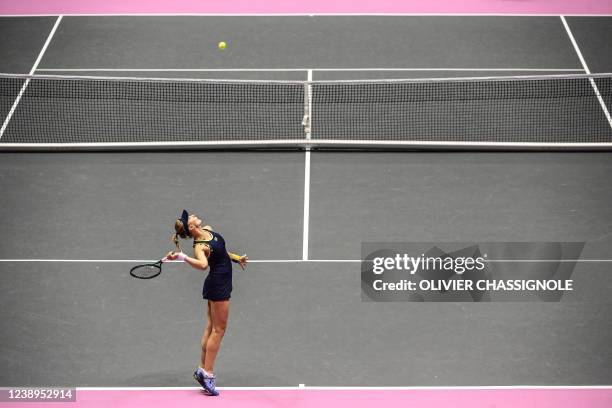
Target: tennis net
(542, 112)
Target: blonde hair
(179, 233)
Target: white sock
(205, 373)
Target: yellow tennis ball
(222, 45)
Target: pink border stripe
(459, 398)
(32, 7)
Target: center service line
(308, 129)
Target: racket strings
(146, 271)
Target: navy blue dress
(218, 283)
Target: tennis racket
(147, 271)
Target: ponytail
(179, 233)
(175, 239)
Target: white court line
(175, 69)
(305, 237)
(25, 84)
(586, 69)
(437, 69)
(155, 260)
(548, 260)
(309, 15)
(348, 388)
(135, 261)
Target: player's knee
(219, 330)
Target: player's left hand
(243, 261)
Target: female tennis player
(209, 252)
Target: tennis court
(75, 221)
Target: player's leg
(205, 336)
(219, 311)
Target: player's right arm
(198, 261)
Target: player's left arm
(239, 259)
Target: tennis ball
(222, 45)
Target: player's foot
(207, 383)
